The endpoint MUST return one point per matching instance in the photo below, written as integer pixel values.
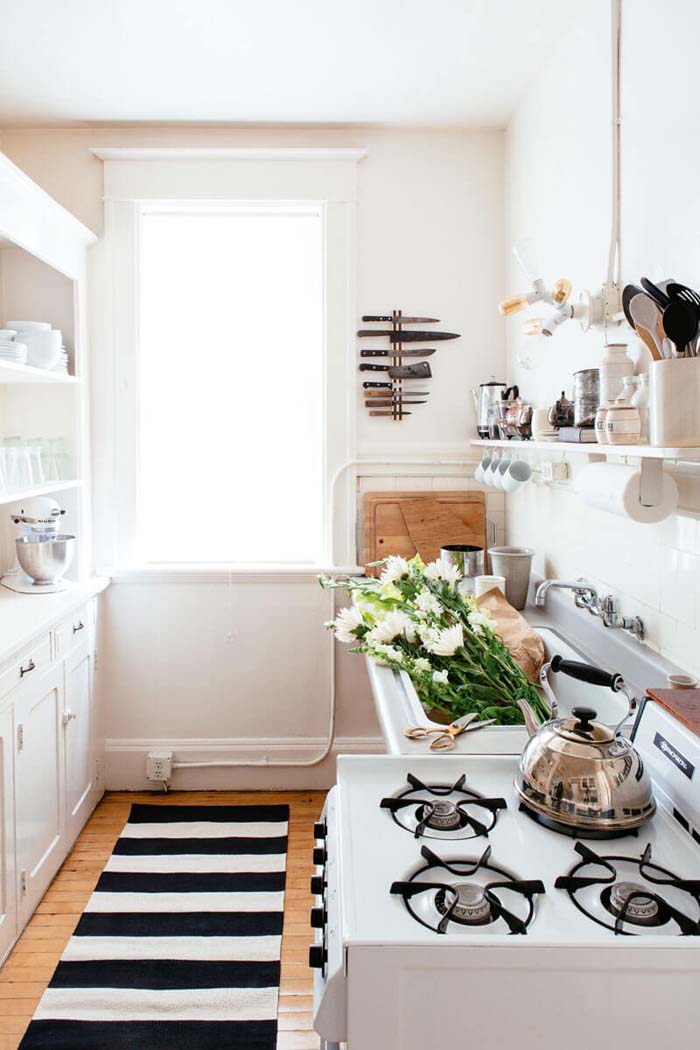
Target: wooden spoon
(646, 316)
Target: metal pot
(578, 773)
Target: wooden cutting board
(406, 523)
(683, 704)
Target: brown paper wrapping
(523, 642)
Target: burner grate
(631, 902)
(462, 893)
(443, 811)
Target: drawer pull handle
(68, 716)
(80, 627)
(25, 670)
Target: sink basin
(399, 707)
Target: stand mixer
(44, 554)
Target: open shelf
(592, 448)
(39, 490)
(12, 373)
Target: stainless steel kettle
(578, 773)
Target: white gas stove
(447, 916)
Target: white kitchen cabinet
(39, 783)
(79, 735)
(8, 881)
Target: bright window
(231, 414)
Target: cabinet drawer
(29, 664)
(73, 630)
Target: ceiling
(409, 62)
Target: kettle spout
(531, 722)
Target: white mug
(519, 472)
(482, 467)
(482, 584)
(491, 469)
(502, 471)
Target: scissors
(445, 735)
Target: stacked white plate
(42, 344)
(11, 349)
(62, 365)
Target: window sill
(228, 573)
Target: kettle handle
(505, 396)
(587, 673)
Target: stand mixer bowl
(45, 558)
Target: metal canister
(468, 559)
(586, 396)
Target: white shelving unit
(593, 449)
(43, 263)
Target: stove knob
(320, 830)
(319, 855)
(318, 918)
(318, 885)
(317, 956)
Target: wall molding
(210, 153)
(190, 748)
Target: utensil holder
(674, 402)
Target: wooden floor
(28, 969)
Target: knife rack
(396, 393)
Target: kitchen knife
(388, 404)
(408, 337)
(390, 414)
(396, 353)
(402, 320)
(421, 370)
(387, 393)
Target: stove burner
(632, 901)
(463, 892)
(441, 815)
(443, 811)
(471, 907)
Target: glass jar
(614, 366)
(640, 400)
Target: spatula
(645, 316)
(655, 292)
(680, 324)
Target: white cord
(614, 252)
(265, 763)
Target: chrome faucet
(585, 593)
(606, 608)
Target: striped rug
(179, 945)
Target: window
(223, 315)
(231, 406)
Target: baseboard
(125, 761)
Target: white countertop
(24, 616)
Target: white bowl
(43, 348)
(29, 326)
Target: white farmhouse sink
(398, 706)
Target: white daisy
(427, 603)
(443, 570)
(448, 641)
(346, 623)
(395, 569)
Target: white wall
(248, 664)
(558, 189)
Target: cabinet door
(79, 737)
(40, 825)
(8, 881)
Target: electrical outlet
(159, 765)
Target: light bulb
(561, 290)
(532, 353)
(513, 305)
(525, 251)
(533, 327)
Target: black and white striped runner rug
(179, 945)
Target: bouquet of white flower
(414, 618)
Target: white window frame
(139, 179)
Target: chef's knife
(396, 353)
(421, 370)
(387, 393)
(408, 337)
(401, 320)
(390, 414)
(391, 404)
